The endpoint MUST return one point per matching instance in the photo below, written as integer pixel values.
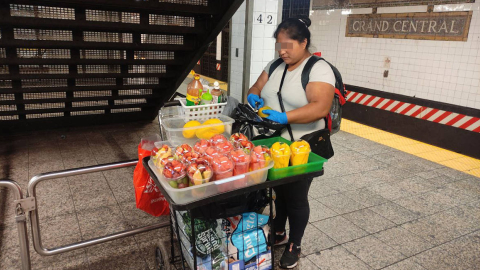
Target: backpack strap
(274, 66)
(307, 68)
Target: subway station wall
(442, 71)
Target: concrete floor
(375, 207)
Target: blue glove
(252, 99)
(279, 117)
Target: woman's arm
(320, 97)
(259, 84)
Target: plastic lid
(218, 138)
(174, 169)
(240, 140)
(196, 77)
(201, 145)
(199, 173)
(222, 163)
(224, 147)
(240, 155)
(211, 152)
(182, 150)
(190, 157)
(159, 152)
(216, 85)
(300, 146)
(279, 148)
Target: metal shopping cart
(223, 224)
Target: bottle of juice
(194, 91)
(216, 93)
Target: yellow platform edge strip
(423, 150)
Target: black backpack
(334, 118)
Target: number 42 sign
(265, 18)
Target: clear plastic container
(174, 170)
(210, 153)
(222, 167)
(238, 139)
(260, 157)
(195, 193)
(181, 150)
(280, 154)
(241, 161)
(199, 173)
(160, 150)
(201, 146)
(300, 150)
(218, 139)
(173, 127)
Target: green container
(315, 162)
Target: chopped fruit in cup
(162, 162)
(247, 145)
(219, 138)
(181, 150)
(281, 155)
(173, 169)
(237, 138)
(224, 147)
(210, 153)
(190, 157)
(300, 152)
(159, 152)
(241, 160)
(199, 173)
(222, 167)
(260, 157)
(201, 145)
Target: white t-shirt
(293, 94)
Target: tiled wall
(444, 71)
(237, 43)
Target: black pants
(292, 202)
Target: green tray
(315, 162)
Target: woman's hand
(255, 101)
(279, 117)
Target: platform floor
(376, 207)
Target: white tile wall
(444, 71)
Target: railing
(29, 204)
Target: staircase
(83, 62)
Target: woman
(305, 111)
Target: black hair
(296, 29)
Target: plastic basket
(201, 111)
(315, 162)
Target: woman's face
(290, 50)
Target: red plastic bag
(147, 194)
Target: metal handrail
(21, 223)
(31, 192)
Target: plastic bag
(253, 126)
(229, 109)
(147, 195)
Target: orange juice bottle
(194, 91)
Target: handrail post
(21, 221)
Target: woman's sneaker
(290, 256)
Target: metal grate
(44, 82)
(44, 106)
(147, 69)
(47, 95)
(162, 39)
(156, 19)
(42, 12)
(102, 54)
(43, 69)
(126, 110)
(2, 53)
(98, 69)
(76, 113)
(154, 55)
(44, 115)
(112, 16)
(130, 101)
(140, 81)
(7, 97)
(95, 81)
(132, 92)
(187, 2)
(4, 69)
(8, 108)
(104, 93)
(107, 37)
(43, 53)
(41, 34)
(91, 103)
(5, 83)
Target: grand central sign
(451, 26)
(333, 4)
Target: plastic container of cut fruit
(174, 130)
(315, 162)
(198, 192)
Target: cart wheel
(161, 256)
